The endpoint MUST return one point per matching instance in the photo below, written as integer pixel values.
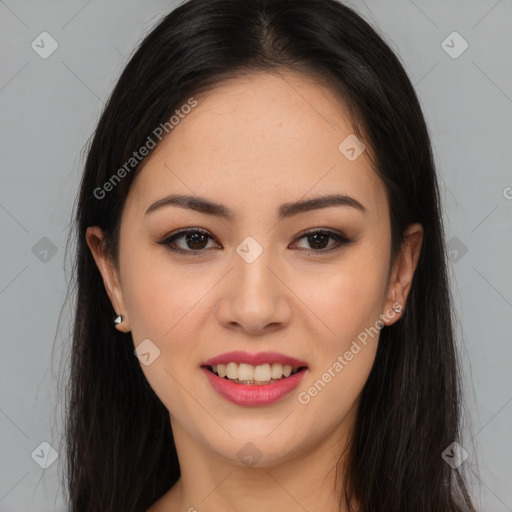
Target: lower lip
(254, 395)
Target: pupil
(196, 238)
(315, 237)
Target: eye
(193, 241)
(318, 240)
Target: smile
(254, 380)
(247, 374)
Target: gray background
(49, 110)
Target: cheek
(159, 297)
(163, 306)
(346, 297)
(348, 304)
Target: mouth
(254, 380)
(249, 375)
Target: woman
(263, 316)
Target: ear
(403, 271)
(96, 242)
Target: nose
(254, 300)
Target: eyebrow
(286, 210)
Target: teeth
(232, 371)
(276, 371)
(262, 373)
(247, 373)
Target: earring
(397, 308)
(118, 319)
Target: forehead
(261, 136)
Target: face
(256, 274)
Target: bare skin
(253, 144)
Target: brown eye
(196, 241)
(191, 241)
(318, 241)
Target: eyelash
(168, 241)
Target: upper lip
(254, 359)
